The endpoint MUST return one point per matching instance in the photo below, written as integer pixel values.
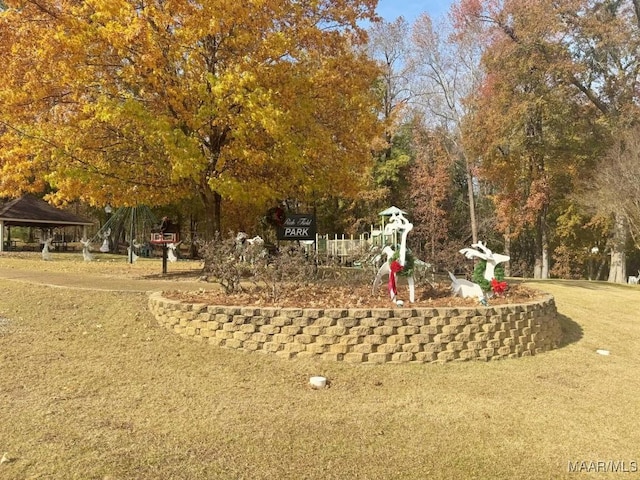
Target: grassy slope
(91, 387)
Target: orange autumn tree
(431, 190)
(531, 126)
(152, 101)
(586, 55)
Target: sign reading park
(300, 226)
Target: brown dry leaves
(357, 296)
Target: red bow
(498, 287)
(395, 268)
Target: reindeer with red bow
(397, 262)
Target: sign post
(163, 234)
(162, 239)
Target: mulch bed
(354, 296)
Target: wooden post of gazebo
(1, 236)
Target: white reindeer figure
(397, 223)
(86, 250)
(465, 288)
(257, 240)
(131, 254)
(171, 251)
(493, 259)
(104, 248)
(242, 241)
(46, 254)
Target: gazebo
(30, 211)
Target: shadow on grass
(571, 331)
(193, 275)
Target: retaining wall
(370, 335)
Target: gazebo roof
(391, 211)
(30, 211)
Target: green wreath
(409, 262)
(478, 275)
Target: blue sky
(410, 9)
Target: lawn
(92, 388)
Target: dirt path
(83, 280)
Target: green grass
(92, 388)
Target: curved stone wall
(370, 335)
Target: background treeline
(509, 121)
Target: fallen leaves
(354, 296)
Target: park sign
(298, 226)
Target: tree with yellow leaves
(150, 101)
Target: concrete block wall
(360, 335)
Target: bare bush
(291, 265)
(222, 262)
(230, 263)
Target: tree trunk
(545, 255)
(541, 263)
(507, 251)
(212, 202)
(537, 266)
(601, 268)
(472, 204)
(194, 235)
(618, 267)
